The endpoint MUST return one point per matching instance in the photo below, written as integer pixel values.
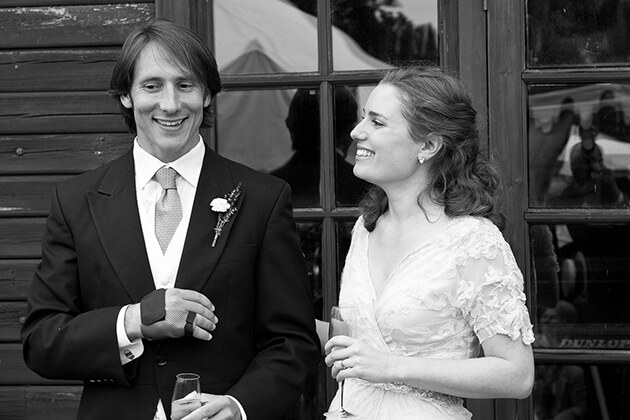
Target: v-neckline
(421, 245)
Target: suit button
(161, 361)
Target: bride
(428, 271)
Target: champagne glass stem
(341, 396)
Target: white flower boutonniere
(225, 207)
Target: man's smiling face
(168, 105)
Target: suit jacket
(95, 261)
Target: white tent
(269, 36)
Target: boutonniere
(225, 208)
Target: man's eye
(150, 86)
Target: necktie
(168, 209)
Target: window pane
(253, 128)
(312, 403)
(565, 33)
(301, 170)
(579, 145)
(369, 35)
(311, 243)
(348, 100)
(263, 36)
(582, 284)
(581, 392)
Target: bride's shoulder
(475, 229)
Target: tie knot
(166, 178)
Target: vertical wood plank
(177, 11)
(473, 64)
(449, 34)
(507, 134)
(506, 113)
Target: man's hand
(215, 407)
(171, 313)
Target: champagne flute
(339, 326)
(186, 395)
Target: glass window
(582, 284)
(301, 169)
(581, 392)
(565, 33)
(347, 102)
(311, 244)
(274, 131)
(579, 145)
(263, 36)
(371, 35)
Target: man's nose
(170, 101)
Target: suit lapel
(115, 213)
(199, 258)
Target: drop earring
(421, 159)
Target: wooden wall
(56, 120)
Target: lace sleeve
(490, 292)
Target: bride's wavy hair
(463, 179)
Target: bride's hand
(351, 358)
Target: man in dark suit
(142, 279)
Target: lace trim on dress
(402, 388)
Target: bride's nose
(358, 133)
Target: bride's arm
(506, 370)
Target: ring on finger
(343, 366)
(190, 324)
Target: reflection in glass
(302, 169)
(582, 283)
(368, 35)
(274, 131)
(581, 392)
(312, 402)
(579, 145)
(263, 36)
(348, 188)
(564, 33)
(311, 244)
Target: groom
(142, 279)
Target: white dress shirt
(164, 267)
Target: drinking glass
(339, 326)
(186, 395)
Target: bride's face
(386, 152)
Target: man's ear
(126, 101)
(433, 143)
(206, 100)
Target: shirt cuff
(128, 350)
(240, 407)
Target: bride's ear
(432, 145)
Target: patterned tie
(168, 209)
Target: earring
(421, 159)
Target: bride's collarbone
(390, 244)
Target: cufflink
(129, 354)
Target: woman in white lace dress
(428, 271)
